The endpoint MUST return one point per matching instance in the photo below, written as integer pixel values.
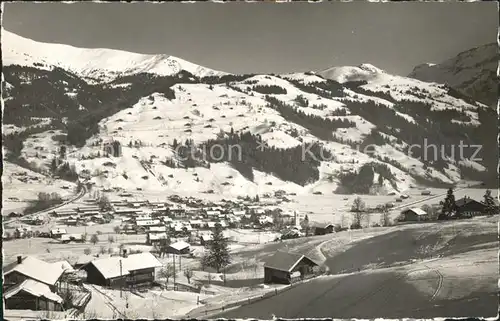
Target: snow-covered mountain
(474, 72)
(92, 64)
(152, 117)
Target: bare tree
(116, 229)
(358, 205)
(94, 239)
(384, 218)
(111, 239)
(188, 273)
(102, 249)
(167, 272)
(87, 251)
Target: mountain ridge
(473, 72)
(150, 115)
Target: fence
(206, 311)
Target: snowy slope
(147, 125)
(472, 71)
(95, 64)
(401, 88)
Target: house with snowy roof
(29, 267)
(128, 270)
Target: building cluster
(33, 284)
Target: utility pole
(173, 256)
(121, 280)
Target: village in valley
(264, 177)
(116, 254)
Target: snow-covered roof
(148, 223)
(418, 211)
(110, 267)
(180, 245)
(157, 236)
(64, 265)
(157, 228)
(67, 237)
(35, 288)
(58, 231)
(35, 269)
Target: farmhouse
(286, 268)
(155, 238)
(127, 271)
(66, 238)
(322, 229)
(32, 295)
(57, 232)
(469, 207)
(63, 213)
(415, 214)
(30, 268)
(180, 247)
(85, 209)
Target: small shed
(322, 229)
(282, 267)
(180, 247)
(415, 214)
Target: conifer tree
(449, 206)
(491, 207)
(217, 256)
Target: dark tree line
(318, 126)
(297, 164)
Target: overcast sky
(267, 37)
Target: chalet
(180, 247)
(72, 220)
(415, 214)
(155, 238)
(196, 223)
(177, 212)
(66, 238)
(322, 229)
(157, 229)
(148, 223)
(57, 233)
(30, 268)
(132, 270)
(206, 239)
(86, 209)
(32, 295)
(265, 221)
(127, 211)
(239, 212)
(63, 213)
(211, 213)
(468, 207)
(15, 214)
(286, 268)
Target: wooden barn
(127, 271)
(415, 214)
(25, 268)
(322, 229)
(468, 207)
(286, 268)
(32, 295)
(179, 248)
